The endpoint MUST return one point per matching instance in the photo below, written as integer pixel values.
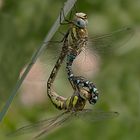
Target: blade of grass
(67, 7)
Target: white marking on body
(95, 89)
(78, 81)
(82, 84)
(95, 98)
(71, 75)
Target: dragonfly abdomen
(87, 89)
(56, 99)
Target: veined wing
(101, 46)
(86, 114)
(43, 125)
(60, 121)
(109, 42)
(93, 116)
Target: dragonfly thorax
(78, 34)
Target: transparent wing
(111, 41)
(33, 89)
(93, 116)
(99, 48)
(65, 118)
(43, 125)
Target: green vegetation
(23, 26)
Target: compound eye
(81, 23)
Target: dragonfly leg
(64, 17)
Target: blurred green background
(23, 26)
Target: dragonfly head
(80, 20)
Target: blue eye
(81, 23)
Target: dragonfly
(74, 41)
(74, 105)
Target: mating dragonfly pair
(74, 42)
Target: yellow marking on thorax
(75, 100)
(79, 33)
(74, 32)
(68, 101)
(83, 33)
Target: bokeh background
(23, 26)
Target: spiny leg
(66, 20)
